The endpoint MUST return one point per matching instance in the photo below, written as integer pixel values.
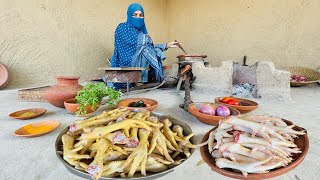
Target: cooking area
(159, 89)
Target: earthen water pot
(4, 76)
(66, 88)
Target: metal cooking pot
(191, 57)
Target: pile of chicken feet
(253, 144)
(121, 143)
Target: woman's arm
(164, 47)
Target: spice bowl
(28, 113)
(37, 129)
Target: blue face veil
(136, 22)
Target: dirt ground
(35, 158)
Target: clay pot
(125, 104)
(72, 106)
(66, 88)
(302, 143)
(4, 76)
(248, 107)
(209, 119)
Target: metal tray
(186, 129)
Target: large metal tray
(186, 129)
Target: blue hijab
(126, 37)
(136, 22)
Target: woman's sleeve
(162, 47)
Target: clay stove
(262, 78)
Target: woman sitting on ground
(133, 47)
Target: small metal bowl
(186, 129)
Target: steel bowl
(186, 129)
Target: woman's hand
(173, 44)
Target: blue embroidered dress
(134, 48)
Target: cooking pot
(191, 57)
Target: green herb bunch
(92, 94)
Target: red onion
(207, 109)
(223, 111)
(302, 78)
(297, 78)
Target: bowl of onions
(301, 76)
(211, 113)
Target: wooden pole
(187, 91)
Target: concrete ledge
(213, 79)
(272, 83)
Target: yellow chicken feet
(117, 137)
(119, 149)
(111, 155)
(185, 145)
(160, 159)
(69, 154)
(139, 156)
(77, 126)
(100, 132)
(142, 116)
(169, 134)
(95, 169)
(159, 139)
(123, 144)
(133, 141)
(112, 167)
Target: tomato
(225, 99)
(232, 102)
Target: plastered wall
(286, 32)
(40, 39)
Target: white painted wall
(40, 39)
